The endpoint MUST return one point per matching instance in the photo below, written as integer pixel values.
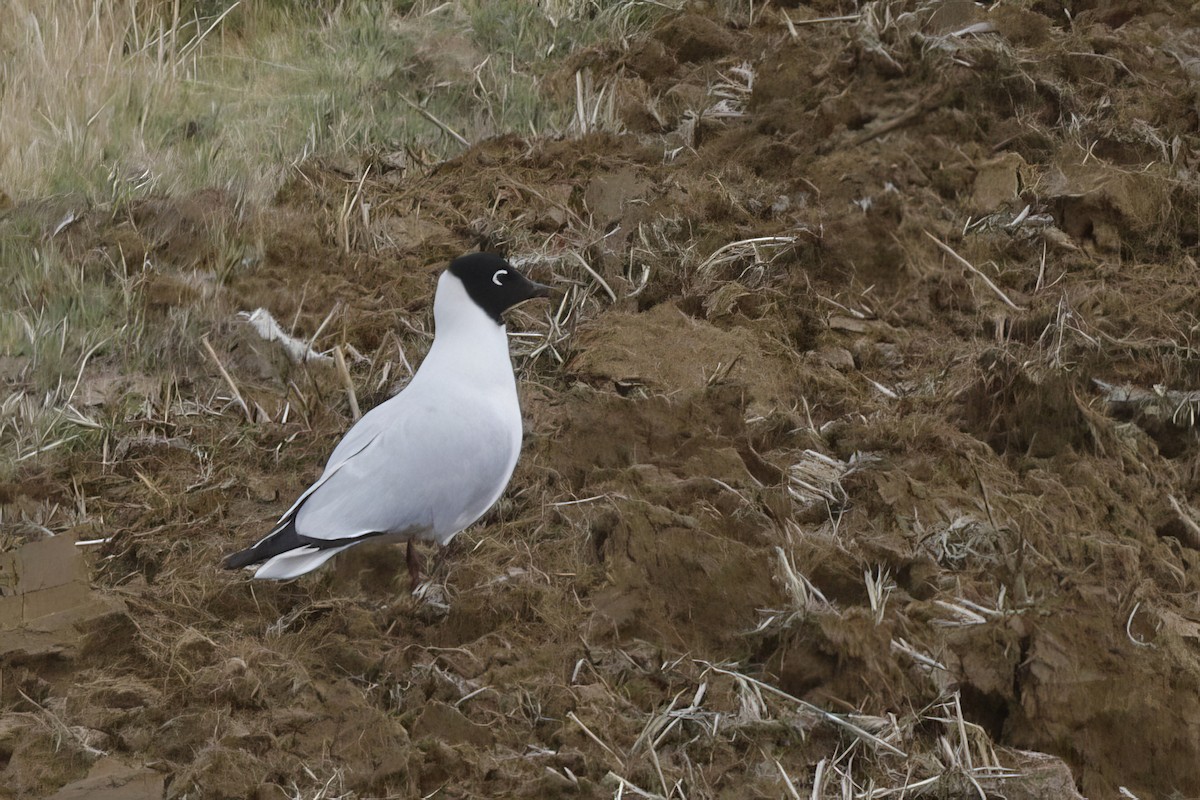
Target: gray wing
(416, 468)
(361, 434)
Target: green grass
(51, 315)
(237, 95)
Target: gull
(430, 461)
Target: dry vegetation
(862, 455)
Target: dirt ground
(867, 395)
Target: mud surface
(833, 413)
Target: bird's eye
(496, 277)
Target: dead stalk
(1189, 523)
(228, 379)
(822, 20)
(600, 280)
(344, 373)
(429, 116)
(588, 731)
(948, 250)
(829, 717)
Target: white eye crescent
(496, 277)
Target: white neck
(470, 342)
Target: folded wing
(408, 469)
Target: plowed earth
(854, 400)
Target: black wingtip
(240, 559)
(281, 540)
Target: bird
(430, 461)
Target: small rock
(446, 723)
(878, 354)
(837, 357)
(263, 492)
(112, 779)
(194, 647)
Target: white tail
(295, 563)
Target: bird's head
(494, 284)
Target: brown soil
(1040, 542)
